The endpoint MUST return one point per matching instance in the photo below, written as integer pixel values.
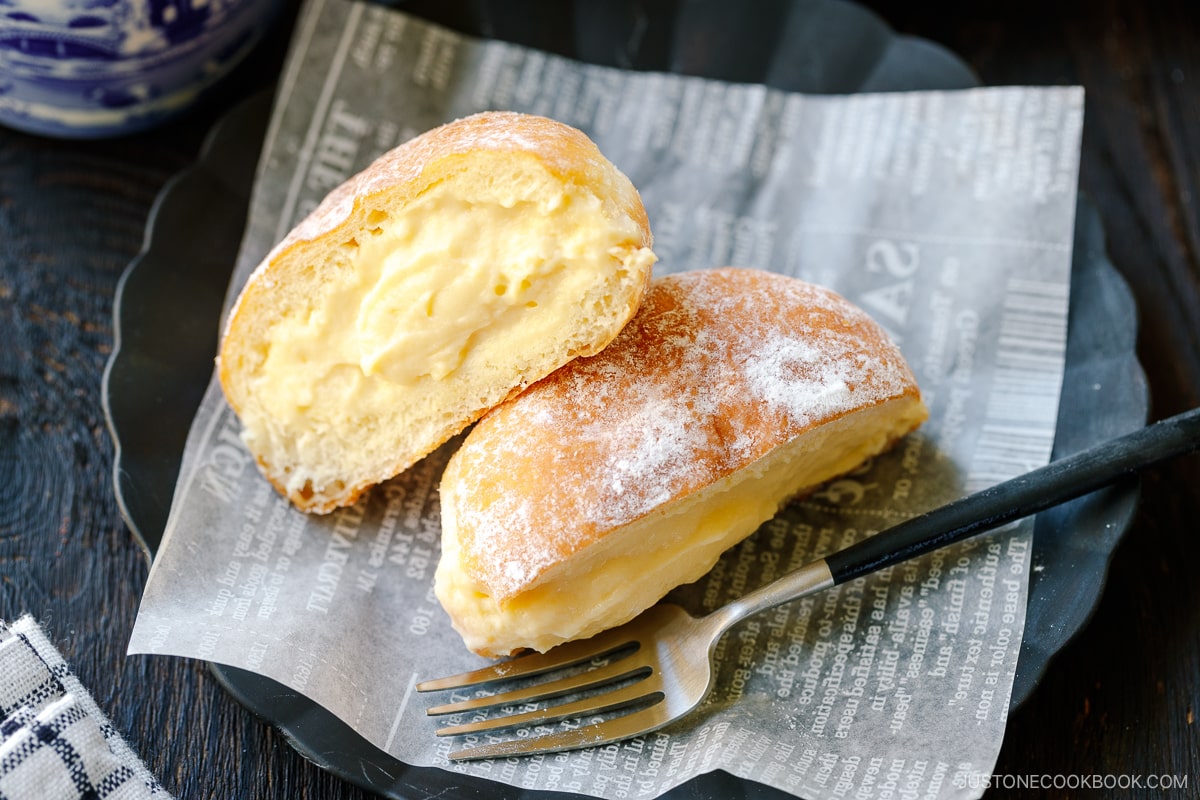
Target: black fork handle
(1057, 482)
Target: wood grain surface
(1121, 699)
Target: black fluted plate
(169, 301)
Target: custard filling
(448, 290)
(630, 570)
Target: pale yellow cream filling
(629, 571)
(418, 295)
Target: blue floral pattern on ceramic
(89, 68)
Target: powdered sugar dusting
(802, 381)
(717, 369)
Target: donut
(448, 275)
(582, 501)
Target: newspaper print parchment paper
(946, 215)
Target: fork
(660, 664)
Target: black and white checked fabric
(54, 740)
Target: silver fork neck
(808, 579)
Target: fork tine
(624, 697)
(564, 655)
(594, 735)
(609, 673)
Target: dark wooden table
(1121, 699)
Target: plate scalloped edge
(145, 467)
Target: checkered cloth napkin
(54, 740)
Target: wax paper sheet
(946, 215)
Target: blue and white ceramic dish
(91, 68)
